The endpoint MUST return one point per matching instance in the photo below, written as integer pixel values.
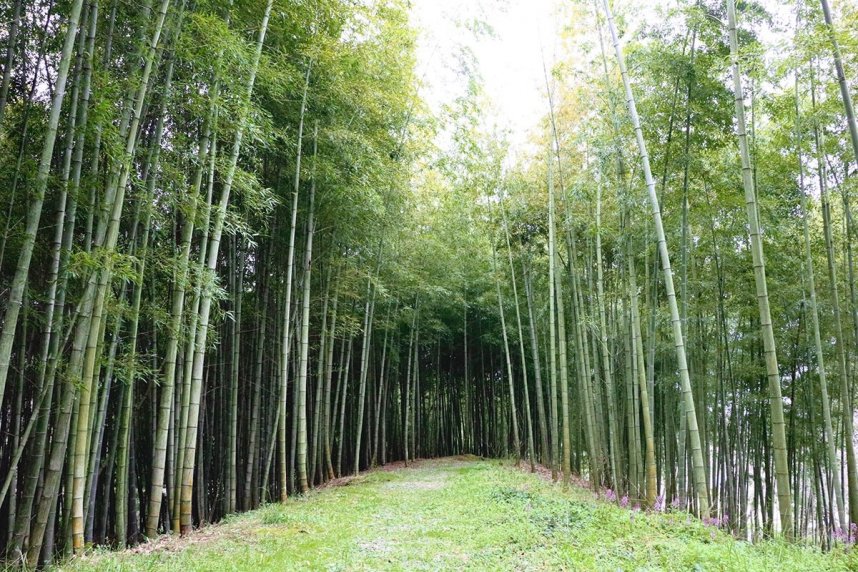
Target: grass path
(458, 514)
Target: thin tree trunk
(638, 358)
(344, 377)
(369, 312)
(108, 234)
(534, 346)
(513, 412)
(603, 342)
(771, 360)
(552, 320)
(851, 477)
(699, 472)
(303, 486)
(250, 473)
(34, 211)
(328, 428)
(11, 40)
(290, 266)
(206, 300)
(531, 453)
(817, 338)
(849, 109)
(566, 465)
(180, 288)
(315, 463)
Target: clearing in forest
(459, 513)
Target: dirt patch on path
(433, 481)
(433, 484)
(418, 463)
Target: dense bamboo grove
(235, 266)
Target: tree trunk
(771, 360)
(699, 473)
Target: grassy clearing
(459, 514)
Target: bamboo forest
(276, 297)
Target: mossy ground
(459, 514)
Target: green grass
(459, 514)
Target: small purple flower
(659, 503)
(637, 507)
(676, 503)
(610, 496)
(624, 502)
(847, 538)
(717, 521)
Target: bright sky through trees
(508, 39)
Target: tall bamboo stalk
(770, 354)
(699, 474)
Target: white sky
(510, 63)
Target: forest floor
(458, 513)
